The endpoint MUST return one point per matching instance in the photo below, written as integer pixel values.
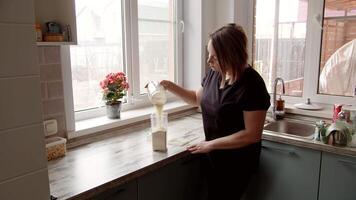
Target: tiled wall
(23, 166)
(52, 86)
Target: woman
(234, 101)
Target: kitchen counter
(93, 168)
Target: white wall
(225, 12)
(243, 15)
(192, 43)
(23, 165)
(202, 17)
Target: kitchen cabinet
(285, 172)
(177, 181)
(127, 191)
(337, 177)
(60, 11)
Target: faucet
(274, 95)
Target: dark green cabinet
(177, 181)
(337, 177)
(285, 172)
(127, 191)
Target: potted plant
(114, 88)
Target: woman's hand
(166, 84)
(202, 147)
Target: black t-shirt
(222, 109)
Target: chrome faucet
(274, 95)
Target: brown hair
(230, 45)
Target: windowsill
(325, 112)
(94, 125)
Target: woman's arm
(190, 96)
(254, 122)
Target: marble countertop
(92, 168)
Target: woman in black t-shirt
(234, 101)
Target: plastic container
(55, 147)
(159, 125)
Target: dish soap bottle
(280, 108)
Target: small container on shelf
(54, 32)
(55, 147)
(38, 32)
(53, 37)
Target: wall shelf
(55, 43)
(60, 11)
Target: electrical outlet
(50, 127)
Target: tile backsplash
(52, 86)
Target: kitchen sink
(299, 129)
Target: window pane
(156, 40)
(99, 50)
(279, 43)
(338, 52)
(339, 8)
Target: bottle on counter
(319, 127)
(280, 108)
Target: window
(138, 37)
(295, 42)
(156, 27)
(338, 52)
(99, 50)
(279, 45)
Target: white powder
(159, 140)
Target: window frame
(312, 59)
(131, 62)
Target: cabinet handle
(347, 162)
(290, 151)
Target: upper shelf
(55, 43)
(60, 11)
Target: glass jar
(159, 125)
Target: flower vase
(113, 110)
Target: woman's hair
(230, 45)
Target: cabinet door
(176, 181)
(338, 177)
(127, 191)
(285, 172)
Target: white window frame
(131, 61)
(312, 60)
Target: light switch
(50, 127)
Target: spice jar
(38, 32)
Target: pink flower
(104, 84)
(114, 83)
(125, 85)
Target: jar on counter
(38, 32)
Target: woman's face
(212, 59)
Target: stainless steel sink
(299, 129)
